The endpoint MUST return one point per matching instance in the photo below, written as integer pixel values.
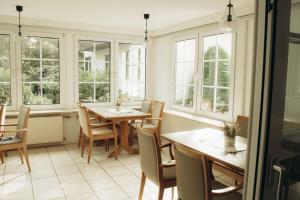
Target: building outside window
(94, 69)
(132, 71)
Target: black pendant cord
(20, 34)
(146, 31)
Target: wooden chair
(95, 133)
(194, 176)
(19, 140)
(146, 108)
(94, 122)
(162, 174)
(154, 122)
(243, 122)
(2, 121)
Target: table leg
(124, 137)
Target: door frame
(270, 40)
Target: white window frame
(62, 58)
(199, 35)
(112, 69)
(13, 69)
(173, 73)
(117, 83)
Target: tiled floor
(59, 172)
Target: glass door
(278, 175)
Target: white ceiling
(118, 13)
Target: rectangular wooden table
(122, 115)
(211, 143)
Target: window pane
(209, 73)
(5, 94)
(51, 93)
(4, 46)
(85, 72)
(86, 50)
(131, 71)
(180, 51)
(50, 71)
(4, 70)
(207, 102)
(179, 90)
(102, 72)
(32, 94)
(189, 51)
(224, 46)
(223, 74)
(102, 92)
(86, 92)
(5, 88)
(189, 96)
(180, 73)
(50, 48)
(40, 71)
(102, 52)
(31, 47)
(188, 73)
(222, 100)
(209, 47)
(31, 70)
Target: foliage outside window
(131, 71)
(184, 73)
(40, 70)
(94, 67)
(216, 73)
(5, 85)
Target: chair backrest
(157, 112)
(23, 118)
(2, 117)
(243, 122)
(146, 106)
(149, 154)
(84, 120)
(192, 174)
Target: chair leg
(90, 150)
(82, 145)
(21, 155)
(143, 180)
(1, 157)
(116, 147)
(26, 157)
(80, 137)
(161, 193)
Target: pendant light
(19, 36)
(229, 21)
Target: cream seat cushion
(13, 140)
(102, 131)
(169, 173)
(146, 125)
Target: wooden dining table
(210, 142)
(120, 115)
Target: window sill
(205, 120)
(42, 113)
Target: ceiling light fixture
(19, 9)
(229, 21)
(146, 17)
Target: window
(94, 69)
(185, 85)
(216, 73)
(213, 80)
(131, 72)
(5, 90)
(40, 71)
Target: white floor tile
(76, 189)
(102, 184)
(18, 196)
(48, 193)
(112, 194)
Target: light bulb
(228, 23)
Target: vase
(229, 141)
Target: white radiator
(43, 129)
